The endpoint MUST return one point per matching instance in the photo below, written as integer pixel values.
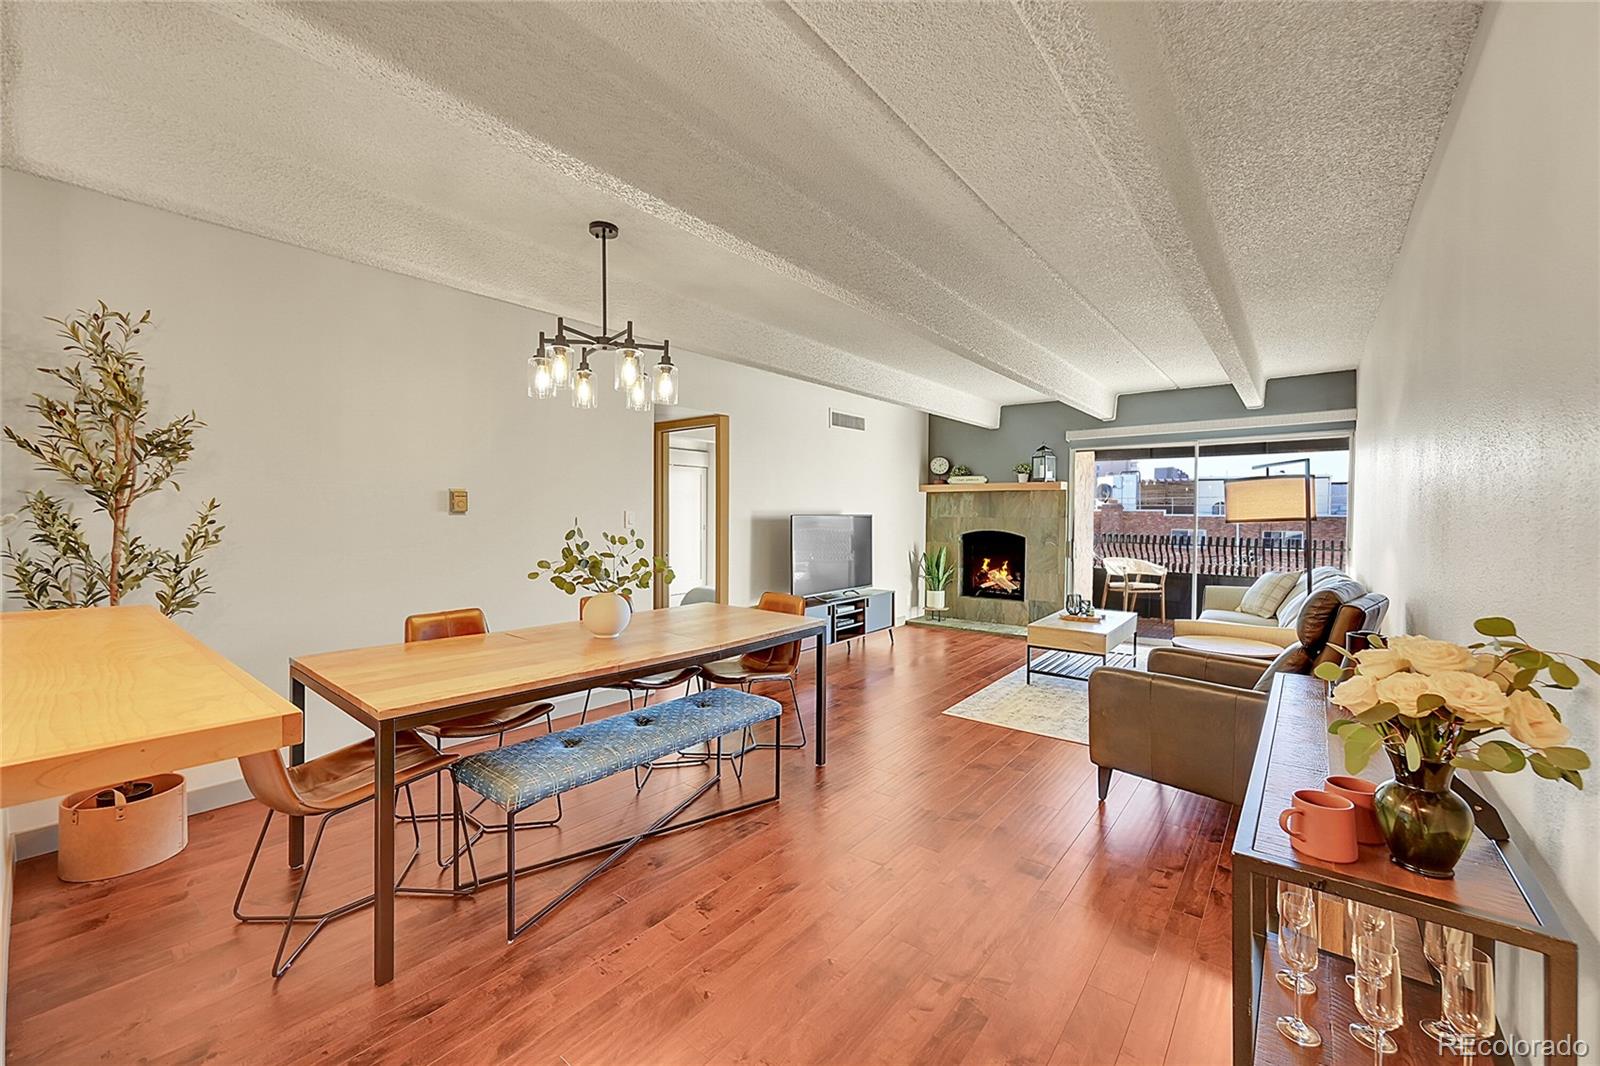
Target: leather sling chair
(781, 663)
(1193, 720)
(325, 788)
(468, 622)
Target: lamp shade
(1265, 499)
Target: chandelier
(552, 369)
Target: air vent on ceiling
(840, 420)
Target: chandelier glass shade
(550, 368)
(639, 396)
(666, 383)
(541, 382)
(583, 386)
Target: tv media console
(853, 613)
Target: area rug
(1051, 706)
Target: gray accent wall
(1023, 427)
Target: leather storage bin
(101, 842)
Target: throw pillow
(1289, 610)
(1263, 598)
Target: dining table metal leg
(383, 858)
(822, 702)
(297, 755)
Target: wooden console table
(1493, 896)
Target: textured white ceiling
(950, 205)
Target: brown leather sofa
(1192, 721)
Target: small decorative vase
(607, 615)
(935, 599)
(1426, 825)
(1022, 478)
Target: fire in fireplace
(992, 564)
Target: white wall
(785, 458)
(1478, 436)
(341, 402)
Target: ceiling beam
(1107, 60)
(683, 189)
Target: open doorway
(691, 507)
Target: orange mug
(1321, 825)
(1359, 791)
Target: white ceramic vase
(935, 599)
(1021, 478)
(607, 615)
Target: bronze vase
(1426, 825)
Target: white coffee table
(1060, 638)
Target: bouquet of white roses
(1433, 701)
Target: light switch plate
(627, 519)
(458, 501)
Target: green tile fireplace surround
(1038, 516)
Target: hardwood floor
(943, 891)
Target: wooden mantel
(1002, 486)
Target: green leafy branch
(619, 565)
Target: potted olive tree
(99, 438)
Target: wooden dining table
(97, 695)
(393, 687)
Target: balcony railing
(1218, 556)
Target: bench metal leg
(616, 849)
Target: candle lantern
(1044, 464)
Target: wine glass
(1297, 907)
(1299, 950)
(1469, 999)
(1371, 952)
(1440, 943)
(1378, 995)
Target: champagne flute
(1371, 952)
(1469, 999)
(1299, 950)
(1378, 996)
(1364, 918)
(1440, 943)
(1296, 908)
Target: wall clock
(939, 465)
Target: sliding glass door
(1159, 519)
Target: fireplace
(992, 564)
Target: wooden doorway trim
(718, 424)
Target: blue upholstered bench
(522, 774)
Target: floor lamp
(1273, 499)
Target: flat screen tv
(829, 552)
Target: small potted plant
(607, 574)
(937, 573)
(1022, 470)
(1435, 707)
(100, 440)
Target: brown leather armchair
(1192, 721)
